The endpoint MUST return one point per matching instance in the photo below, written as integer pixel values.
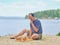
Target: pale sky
(20, 8)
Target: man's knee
(35, 36)
(25, 30)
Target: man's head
(31, 16)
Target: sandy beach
(46, 40)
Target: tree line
(47, 14)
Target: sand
(46, 40)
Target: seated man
(35, 31)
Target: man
(35, 31)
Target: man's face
(30, 16)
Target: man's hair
(31, 14)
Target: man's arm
(30, 33)
(34, 27)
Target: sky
(20, 8)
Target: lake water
(14, 26)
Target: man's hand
(33, 26)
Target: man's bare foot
(13, 37)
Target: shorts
(39, 36)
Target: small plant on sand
(58, 34)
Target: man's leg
(21, 33)
(36, 36)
